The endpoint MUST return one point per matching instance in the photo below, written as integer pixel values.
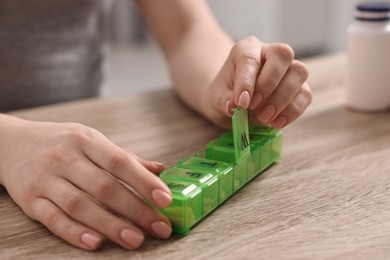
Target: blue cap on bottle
(373, 12)
(373, 7)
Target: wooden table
(329, 197)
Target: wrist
(9, 126)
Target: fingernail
(161, 198)
(161, 229)
(159, 165)
(244, 99)
(91, 241)
(131, 237)
(279, 122)
(227, 107)
(266, 113)
(256, 100)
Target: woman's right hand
(263, 78)
(80, 185)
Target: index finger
(247, 62)
(127, 168)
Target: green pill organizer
(201, 183)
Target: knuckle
(251, 39)
(300, 68)
(28, 197)
(78, 133)
(250, 57)
(74, 202)
(246, 50)
(296, 109)
(302, 102)
(117, 161)
(236, 48)
(268, 85)
(68, 232)
(50, 218)
(104, 187)
(284, 96)
(245, 81)
(308, 94)
(284, 51)
(32, 188)
(28, 209)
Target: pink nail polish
(159, 166)
(161, 198)
(91, 241)
(279, 122)
(266, 113)
(161, 229)
(256, 100)
(227, 106)
(131, 238)
(244, 99)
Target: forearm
(196, 60)
(192, 41)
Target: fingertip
(256, 101)
(161, 198)
(132, 238)
(228, 108)
(244, 99)
(91, 241)
(161, 229)
(265, 114)
(156, 167)
(153, 166)
(279, 122)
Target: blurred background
(311, 27)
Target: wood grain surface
(329, 197)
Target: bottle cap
(373, 12)
(373, 7)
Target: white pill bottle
(368, 53)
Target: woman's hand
(73, 180)
(263, 78)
